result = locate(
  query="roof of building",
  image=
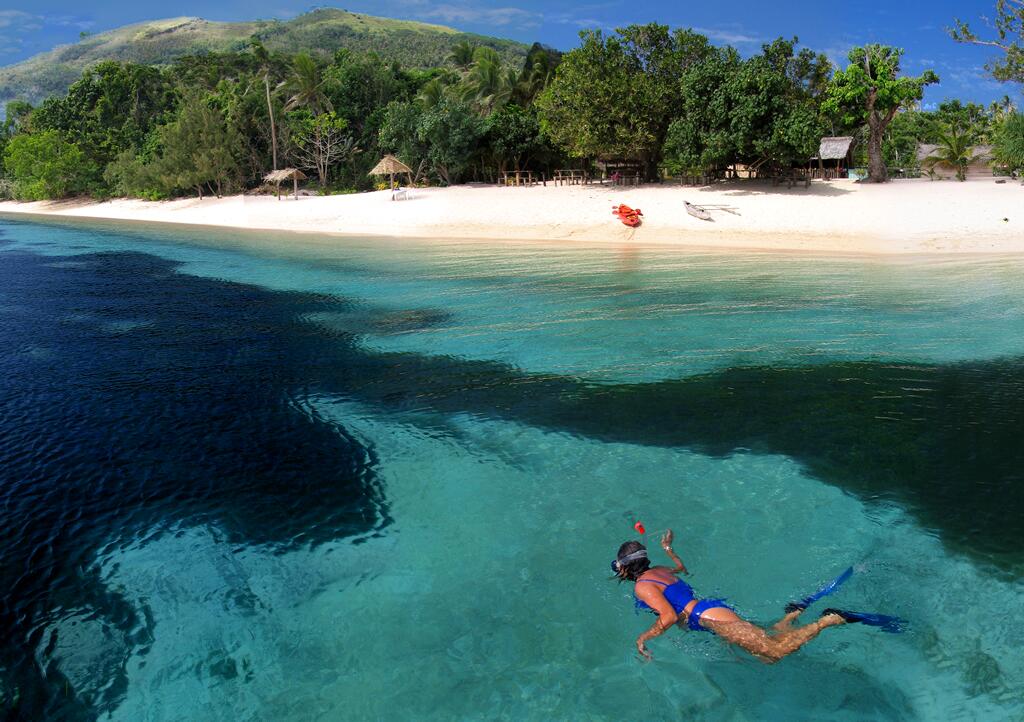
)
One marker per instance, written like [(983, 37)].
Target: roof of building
[(835, 148)]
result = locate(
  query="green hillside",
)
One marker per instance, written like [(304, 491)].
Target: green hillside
[(161, 41)]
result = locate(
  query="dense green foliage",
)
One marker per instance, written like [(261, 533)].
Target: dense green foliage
[(765, 108), (870, 91), (320, 32), (45, 165), (954, 150), (655, 98), (616, 95), (1009, 143)]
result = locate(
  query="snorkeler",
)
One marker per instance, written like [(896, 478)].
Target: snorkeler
[(673, 600)]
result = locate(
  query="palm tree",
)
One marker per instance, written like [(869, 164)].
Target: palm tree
[(431, 93), (306, 86), (488, 84), (1009, 143), (955, 150), (263, 57), (1000, 109), (537, 73), (462, 55)]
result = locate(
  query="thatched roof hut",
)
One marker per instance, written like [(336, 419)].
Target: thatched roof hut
[(278, 177), (835, 147), (389, 165)]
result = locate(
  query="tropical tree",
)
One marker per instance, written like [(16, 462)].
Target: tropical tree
[(998, 109), (870, 91), (513, 136), (765, 108), (462, 55), (110, 109), (45, 165), (399, 134), (1009, 38), (955, 150), (1008, 149), (615, 96), (451, 132), (538, 71), (431, 93), (305, 86), (198, 149), (488, 85), (263, 57), (320, 141)]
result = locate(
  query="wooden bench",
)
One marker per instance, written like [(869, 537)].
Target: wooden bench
[(570, 176)]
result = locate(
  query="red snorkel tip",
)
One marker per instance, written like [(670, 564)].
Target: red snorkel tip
[(640, 527)]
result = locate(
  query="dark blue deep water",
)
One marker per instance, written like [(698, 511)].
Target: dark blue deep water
[(134, 399), (148, 408)]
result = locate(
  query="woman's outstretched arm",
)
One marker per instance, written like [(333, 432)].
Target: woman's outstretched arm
[(666, 616), (666, 544)]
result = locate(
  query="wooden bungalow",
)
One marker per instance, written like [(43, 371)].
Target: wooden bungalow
[(837, 151)]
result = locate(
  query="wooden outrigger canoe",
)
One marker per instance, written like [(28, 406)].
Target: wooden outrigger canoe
[(697, 211)]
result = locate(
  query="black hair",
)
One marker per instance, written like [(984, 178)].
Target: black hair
[(632, 570)]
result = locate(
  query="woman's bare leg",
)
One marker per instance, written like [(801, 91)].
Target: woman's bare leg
[(766, 647)]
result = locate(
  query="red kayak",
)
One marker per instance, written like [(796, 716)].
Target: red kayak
[(629, 216)]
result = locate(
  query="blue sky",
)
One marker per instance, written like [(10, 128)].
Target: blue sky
[(28, 27)]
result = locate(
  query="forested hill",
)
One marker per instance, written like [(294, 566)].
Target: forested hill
[(161, 41)]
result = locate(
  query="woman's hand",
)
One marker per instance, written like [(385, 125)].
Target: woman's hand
[(666, 539), (641, 648)]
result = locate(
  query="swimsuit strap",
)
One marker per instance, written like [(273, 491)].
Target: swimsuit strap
[(655, 581)]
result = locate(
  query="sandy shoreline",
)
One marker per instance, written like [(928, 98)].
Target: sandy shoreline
[(913, 216)]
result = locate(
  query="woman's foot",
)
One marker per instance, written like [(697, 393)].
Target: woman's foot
[(883, 621)]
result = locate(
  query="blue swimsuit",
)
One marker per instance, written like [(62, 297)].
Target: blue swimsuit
[(679, 594)]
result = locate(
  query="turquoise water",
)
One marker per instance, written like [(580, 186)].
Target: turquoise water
[(522, 405)]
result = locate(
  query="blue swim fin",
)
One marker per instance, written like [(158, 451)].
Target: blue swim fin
[(893, 625), (823, 592)]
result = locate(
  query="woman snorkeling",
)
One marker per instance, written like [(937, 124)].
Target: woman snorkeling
[(673, 600)]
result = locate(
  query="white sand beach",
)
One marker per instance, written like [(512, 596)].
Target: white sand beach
[(906, 216)]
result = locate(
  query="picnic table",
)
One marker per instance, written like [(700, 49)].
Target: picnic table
[(520, 178), (792, 177), (571, 176), (626, 179)]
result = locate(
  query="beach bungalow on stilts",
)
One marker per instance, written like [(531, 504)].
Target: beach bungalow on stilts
[(277, 177), (836, 150)]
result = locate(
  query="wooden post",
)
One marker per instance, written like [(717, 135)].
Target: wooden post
[(295, 182)]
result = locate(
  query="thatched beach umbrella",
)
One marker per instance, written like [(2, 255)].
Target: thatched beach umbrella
[(277, 177), (389, 165)]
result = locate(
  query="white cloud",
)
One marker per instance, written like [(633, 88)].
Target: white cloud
[(9, 18), (729, 36), (476, 15), (17, 25)]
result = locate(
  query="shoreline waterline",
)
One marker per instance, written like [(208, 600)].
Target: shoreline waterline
[(839, 218)]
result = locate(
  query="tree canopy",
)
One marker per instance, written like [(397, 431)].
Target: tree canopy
[(1008, 38), (870, 91), (616, 95), (665, 100)]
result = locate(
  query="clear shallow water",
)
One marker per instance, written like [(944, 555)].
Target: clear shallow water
[(384, 480)]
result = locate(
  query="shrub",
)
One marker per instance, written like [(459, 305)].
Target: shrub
[(44, 165)]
